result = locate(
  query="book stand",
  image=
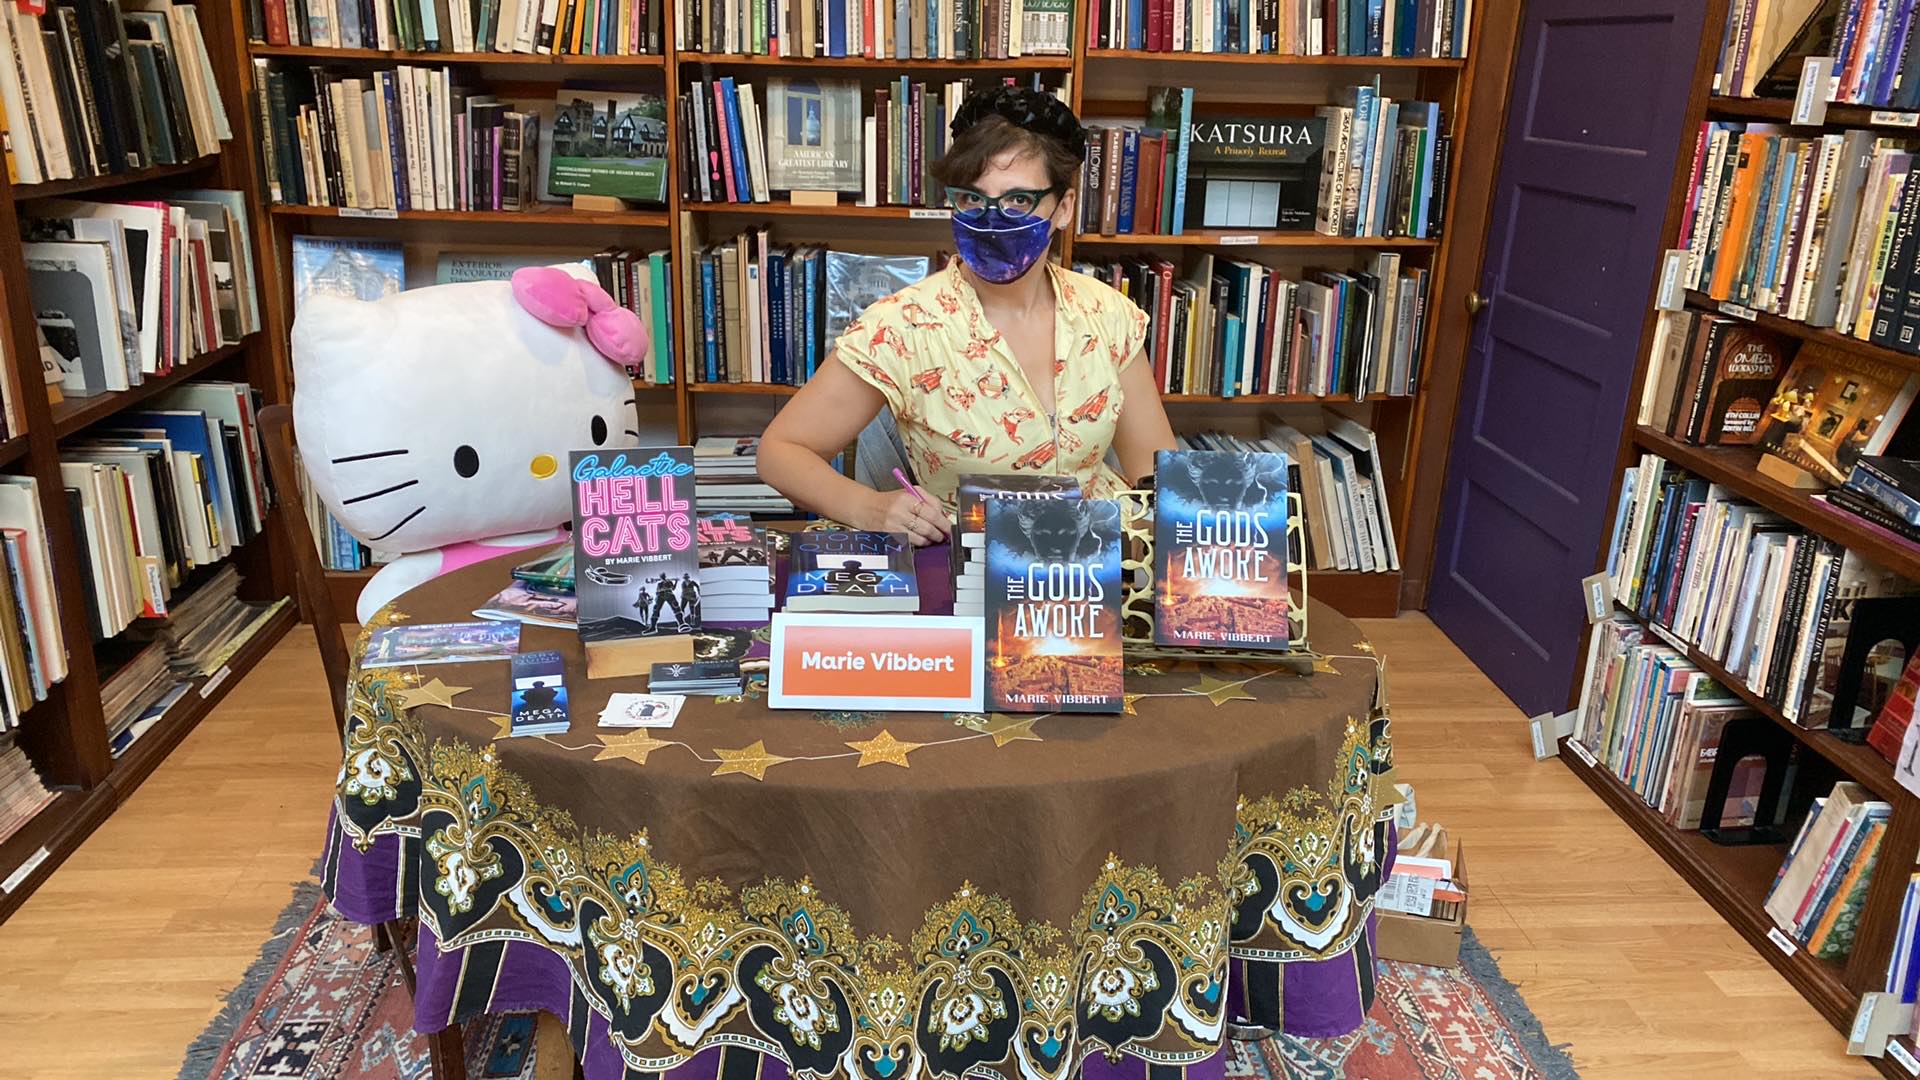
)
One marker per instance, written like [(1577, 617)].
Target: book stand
[(1136, 602), (600, 204), (1740, 739), (1873, 620)]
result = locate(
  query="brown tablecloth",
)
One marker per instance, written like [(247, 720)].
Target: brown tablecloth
[(859, 893)]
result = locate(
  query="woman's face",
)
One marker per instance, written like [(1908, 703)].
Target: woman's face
[(1025, 170)]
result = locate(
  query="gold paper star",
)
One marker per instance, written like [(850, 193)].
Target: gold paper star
[(752, 760), (884, 748), (1324, 666), (1220, 691), (504, 724), (633, 747), (1127, 704), (1365, 647), (1006, 729), (433, 693)]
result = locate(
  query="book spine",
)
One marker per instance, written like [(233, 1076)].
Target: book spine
[(1882, 489), (1129, 179)]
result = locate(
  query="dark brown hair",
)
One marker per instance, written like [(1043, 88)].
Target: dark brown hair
[(978, 147)]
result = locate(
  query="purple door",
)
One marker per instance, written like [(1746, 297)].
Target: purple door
[(1593, 129)]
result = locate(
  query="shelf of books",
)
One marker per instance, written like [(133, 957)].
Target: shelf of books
[(1745, 703), (134, 508), (784, 150)]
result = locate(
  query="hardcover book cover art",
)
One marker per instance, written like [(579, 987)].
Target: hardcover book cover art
[(441, 643), (732, 551), (813, 135), (634, 557), (1833, 408), (539, 694), (1220, 549), (1053, 606), (976, 490), (611, 144), (1747, 368), (844, 570), (1259, 172)]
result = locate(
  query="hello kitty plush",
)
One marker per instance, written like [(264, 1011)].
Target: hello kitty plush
[(437, 422)]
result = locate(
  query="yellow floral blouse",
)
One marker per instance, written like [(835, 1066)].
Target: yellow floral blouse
[(960, 400)]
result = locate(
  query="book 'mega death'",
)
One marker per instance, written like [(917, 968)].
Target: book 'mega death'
[(539, 694), (1053, 605), (634, 557), (813, 135), (844, 570), (1220, 547)]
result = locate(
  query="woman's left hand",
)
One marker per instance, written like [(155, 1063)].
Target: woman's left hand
[(902, 512)]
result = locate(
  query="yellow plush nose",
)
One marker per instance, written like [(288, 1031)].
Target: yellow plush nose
[(542, 466)]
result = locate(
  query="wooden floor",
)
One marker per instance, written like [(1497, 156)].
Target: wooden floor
[(123, 957)]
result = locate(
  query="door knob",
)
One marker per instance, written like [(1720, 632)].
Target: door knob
[(1475, 302)]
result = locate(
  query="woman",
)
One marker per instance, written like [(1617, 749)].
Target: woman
[(1000, 363)]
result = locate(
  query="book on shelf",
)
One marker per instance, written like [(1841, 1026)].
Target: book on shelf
[(138, 695), (612, 144), (1654, 720), (878, 29), (1052, 605), (638, 281), (1765, 42), (769, 312), (454, 267), (1896, 713), (969, 537), (1233, 327), (23, 791), (1710, 378), (1769, 602), (31, 635), (1817, 896), (1367, 166), (727, 478), (1220, 549), (814, 137), (1404, 28), (1834, 407), (575, 28), (1893, 483), (96, 89), (845, 570), (202, 632), (736, 572)]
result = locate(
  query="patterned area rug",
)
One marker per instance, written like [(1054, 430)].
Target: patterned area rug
[(322, 1004)]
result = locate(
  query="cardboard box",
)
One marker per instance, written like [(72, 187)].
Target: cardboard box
[(1417, 940)]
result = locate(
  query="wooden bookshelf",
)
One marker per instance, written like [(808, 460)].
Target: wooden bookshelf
[(1780, 111), (1118, 75), (65, 735), (1735, 880), (1795, 329)]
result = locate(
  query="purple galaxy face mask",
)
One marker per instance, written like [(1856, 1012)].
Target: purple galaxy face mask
[(1000, 247)]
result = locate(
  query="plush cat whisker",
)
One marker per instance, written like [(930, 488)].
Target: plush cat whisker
[(377, 494), (351, 458), (417, 511)]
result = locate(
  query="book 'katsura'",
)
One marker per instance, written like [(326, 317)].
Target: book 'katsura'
[(1053, 605), (635, 559), (844, 570), (1220, 549)]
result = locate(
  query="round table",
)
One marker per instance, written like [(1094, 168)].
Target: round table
[(877, 895)]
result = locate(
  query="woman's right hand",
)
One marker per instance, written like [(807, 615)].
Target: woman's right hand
[(901, 512)]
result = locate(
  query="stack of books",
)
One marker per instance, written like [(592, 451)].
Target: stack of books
[(768, 313), (640, 282), (91, 90), (22, 792), (726, 477), (33, 650), (879, 29), (160, 492), (819, 139), (575, 28), (203, 631), (1817, 896), (1234, 327), (1653, 719), (1333, 462), (1817, 228), (1425, 28), (1367, 166), (1897, 712), (1769, 602), (1884, 491), (969, 539), (123, 291), (1710, 379), (859, 572), (705, 677), (736, 575), (1871, 46), (138, 694)]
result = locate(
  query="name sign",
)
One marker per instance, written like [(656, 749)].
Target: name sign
[(905, 663)]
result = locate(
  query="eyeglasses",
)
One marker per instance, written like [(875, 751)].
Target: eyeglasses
[(969, 203)]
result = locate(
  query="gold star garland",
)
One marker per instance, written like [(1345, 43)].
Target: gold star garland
[(884, 749)]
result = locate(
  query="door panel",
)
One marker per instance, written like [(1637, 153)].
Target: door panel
[(1586, 166)]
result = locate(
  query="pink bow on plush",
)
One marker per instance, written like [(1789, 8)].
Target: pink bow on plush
[(557, 298)]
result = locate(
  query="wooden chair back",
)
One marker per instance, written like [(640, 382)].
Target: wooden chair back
[(316, 598)]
